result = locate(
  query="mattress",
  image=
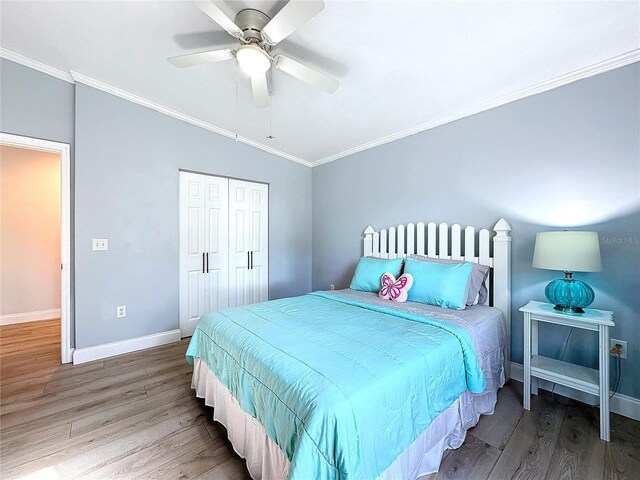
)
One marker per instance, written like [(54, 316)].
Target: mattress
[(265, 459)]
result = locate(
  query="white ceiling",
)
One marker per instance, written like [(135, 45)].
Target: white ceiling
[(400, 64)]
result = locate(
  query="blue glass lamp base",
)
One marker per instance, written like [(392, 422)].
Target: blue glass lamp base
[(569, 295)]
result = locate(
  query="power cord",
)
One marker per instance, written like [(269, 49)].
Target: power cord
[(564, 349), (617, 353)]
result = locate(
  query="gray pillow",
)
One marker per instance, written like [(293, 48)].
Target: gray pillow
[(476, 286)]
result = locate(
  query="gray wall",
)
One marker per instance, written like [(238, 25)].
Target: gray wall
[(569, 157), (126, 189), (127, 162), (33, 104)]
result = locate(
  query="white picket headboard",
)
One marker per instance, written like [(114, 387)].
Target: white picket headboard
[(435, 241)]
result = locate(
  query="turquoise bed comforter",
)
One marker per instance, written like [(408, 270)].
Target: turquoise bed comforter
[(341, 386)]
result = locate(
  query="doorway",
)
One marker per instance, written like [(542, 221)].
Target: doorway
[(36, 271)]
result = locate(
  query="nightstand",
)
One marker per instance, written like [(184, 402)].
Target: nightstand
[(595, 382)]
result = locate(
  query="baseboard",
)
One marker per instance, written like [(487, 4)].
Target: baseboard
[(83, 355), (12, 318), (620, 404)]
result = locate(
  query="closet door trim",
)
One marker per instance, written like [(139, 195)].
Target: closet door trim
[(223, 176)]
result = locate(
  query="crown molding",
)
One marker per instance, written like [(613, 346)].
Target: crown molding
[(580, 74), (75, 77), (91, 82), (34, 64)]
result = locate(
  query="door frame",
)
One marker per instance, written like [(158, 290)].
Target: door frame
[(64, 150)]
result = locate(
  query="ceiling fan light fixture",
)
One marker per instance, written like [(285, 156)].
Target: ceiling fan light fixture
[(253, 60)]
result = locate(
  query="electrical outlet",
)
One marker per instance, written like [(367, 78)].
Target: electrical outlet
[(623, 344), (332, 286), (100, 244), (121, 311)]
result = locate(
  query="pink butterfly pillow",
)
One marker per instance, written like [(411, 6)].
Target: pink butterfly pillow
[(396, 290)]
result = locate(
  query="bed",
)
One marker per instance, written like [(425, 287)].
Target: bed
[(346, 385)]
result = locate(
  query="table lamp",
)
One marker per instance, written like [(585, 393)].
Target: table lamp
[(568, 251)]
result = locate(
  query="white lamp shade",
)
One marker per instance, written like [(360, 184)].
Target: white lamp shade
[(567, 251), (253, 60)]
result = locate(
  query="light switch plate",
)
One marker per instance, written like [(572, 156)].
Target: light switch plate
[(100, 244)]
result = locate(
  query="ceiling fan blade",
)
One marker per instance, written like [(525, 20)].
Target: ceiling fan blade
[(306, 74), (218, 16), (260, 90), (292, 16), (191, 59)]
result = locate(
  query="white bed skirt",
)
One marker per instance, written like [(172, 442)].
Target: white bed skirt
[(265, 460)]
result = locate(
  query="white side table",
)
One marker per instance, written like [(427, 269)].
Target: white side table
[(595, 382)]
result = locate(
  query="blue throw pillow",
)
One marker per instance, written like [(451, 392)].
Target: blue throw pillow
[(439, 284), (370, 269)]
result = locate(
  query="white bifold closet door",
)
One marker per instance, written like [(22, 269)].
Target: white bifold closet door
[(248, 242), (218, 216)]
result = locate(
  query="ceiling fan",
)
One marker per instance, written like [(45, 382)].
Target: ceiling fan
[(258, 34)]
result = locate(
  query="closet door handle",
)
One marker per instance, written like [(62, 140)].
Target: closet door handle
[(251, 259), (202, 262), (248, 267), (207, 262)]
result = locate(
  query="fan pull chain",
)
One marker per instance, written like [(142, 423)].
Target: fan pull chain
[(270, 136), (237, 81)]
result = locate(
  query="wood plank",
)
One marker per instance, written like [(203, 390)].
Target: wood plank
[(79, 394), (19, 394), (474, 459), (420, 239), (384, 245), (496, 429), (97, 389), (579, 452), (84, 452), (455, 242), (165, 449), (40, 417), (59, 412), (529, 450), (49, 375), (232, 469), (443, 240), (53, 453), (431, 240), (623, 451), (411, 239), (469, 244), (80, 465), (160, 387), (107, 375), (392, 243), (196, 462), (401, 245), (17, 366), (171, 350), (16, 447), (113, 415)]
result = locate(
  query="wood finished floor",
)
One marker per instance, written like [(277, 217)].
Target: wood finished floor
[(135, 416)]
